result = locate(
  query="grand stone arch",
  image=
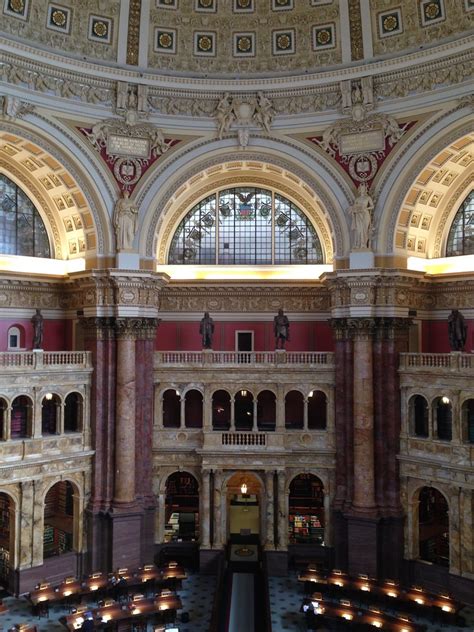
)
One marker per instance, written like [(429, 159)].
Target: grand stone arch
[(308, 173)]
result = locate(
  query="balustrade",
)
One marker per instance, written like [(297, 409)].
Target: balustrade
[(49, 359), (239, 358)]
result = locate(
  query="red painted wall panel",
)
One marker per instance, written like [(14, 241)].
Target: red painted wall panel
[(184, 336), (57, 334), (435, 339)]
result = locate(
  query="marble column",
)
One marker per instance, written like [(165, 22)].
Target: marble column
[(270, 511), (454, 531), (25, 533), (280, 409), (218, 535), (161, 518), (7, 423), (466, 519), (207, 410), (205, 510), (232, 414), (305, 414), (363, 410), (282, 512), (124, 483), (254, 419), (36, 414)]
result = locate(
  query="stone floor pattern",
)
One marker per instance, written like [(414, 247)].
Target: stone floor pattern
[(197, 596), (286, 596)]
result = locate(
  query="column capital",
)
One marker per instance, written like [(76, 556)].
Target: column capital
[(136, 328), (362, 328), (100, 327)]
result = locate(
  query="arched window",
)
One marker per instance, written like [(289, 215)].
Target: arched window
[(443, 412), (461, 234), (16, 337), (220, 410), (181, 508), (317, 410), (294, 410), (58, 519), (21, 417), (418, 416), (171, 409), (306, 510), (243, 408), (73, 411), (50, 409), (22, 231), (245, 225), (468, 420), (266, 410), (193, 409), (433, 521)]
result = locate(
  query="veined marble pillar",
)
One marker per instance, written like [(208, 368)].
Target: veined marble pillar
[(282, 512), (269, 509), (25, 534), (207, 410), (161, 517), (280, 410), (124, 484), (205, 510), (363, 407), (218, 536), (232, 414)]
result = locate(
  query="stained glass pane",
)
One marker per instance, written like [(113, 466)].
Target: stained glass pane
[(461, 234), (22, 231), (248, 220)]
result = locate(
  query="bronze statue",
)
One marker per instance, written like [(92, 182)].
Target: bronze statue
[(37, 320), (281, 329), (206, 329), (457, 330)]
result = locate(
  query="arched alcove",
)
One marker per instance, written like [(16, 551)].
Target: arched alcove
[(50, 414), (221, 410), (243, 410), (317, 410), (443, 418), (418, 416), (244, 492), (181, 508), (433, 526), (193, 409), (171, 408), (73, 412), (59, 519), (21, 417), (306, 520), (266, 410), (7, 537), (294, 410)]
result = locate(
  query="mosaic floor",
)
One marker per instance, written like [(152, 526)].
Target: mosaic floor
[(286, 596), (197, 596)]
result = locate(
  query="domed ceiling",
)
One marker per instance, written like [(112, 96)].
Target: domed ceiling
[(235, 37)]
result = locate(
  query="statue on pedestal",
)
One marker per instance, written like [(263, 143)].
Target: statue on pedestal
[(206, 329), (281, 329), (457, 330), (38, 326), (361, 212), (125, 221)]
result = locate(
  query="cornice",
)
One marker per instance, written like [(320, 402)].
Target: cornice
[(37, 56)]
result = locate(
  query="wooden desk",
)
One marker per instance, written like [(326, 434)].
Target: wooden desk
[(119, 612), (353, 615)]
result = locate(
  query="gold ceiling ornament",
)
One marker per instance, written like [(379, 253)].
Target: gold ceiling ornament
[(133, 40), (357, 46)]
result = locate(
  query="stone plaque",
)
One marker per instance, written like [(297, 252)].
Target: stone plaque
[(372, 140), (132, 146)]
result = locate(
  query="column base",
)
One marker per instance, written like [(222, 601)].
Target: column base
[(209, 561), (277, 563), (363, 545), (126, 538)]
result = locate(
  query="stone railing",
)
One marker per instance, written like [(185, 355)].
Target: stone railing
[(243, 358), (57, 360), (454, 361), (243, 438)]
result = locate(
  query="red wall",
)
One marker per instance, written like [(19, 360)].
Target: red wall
[(57, 334), (435, 339), (185, 336)]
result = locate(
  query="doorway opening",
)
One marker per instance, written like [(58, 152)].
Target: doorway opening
[(244, 343), (244, 492)]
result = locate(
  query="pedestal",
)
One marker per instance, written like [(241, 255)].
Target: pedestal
[(128, 260), (361, 260)]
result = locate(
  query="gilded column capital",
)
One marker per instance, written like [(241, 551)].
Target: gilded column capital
[(136, 328), (362, 328), (100, 327), (340, 328)]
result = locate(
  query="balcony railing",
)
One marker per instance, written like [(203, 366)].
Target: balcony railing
[(452, 361), (45, 359), (243, 358)]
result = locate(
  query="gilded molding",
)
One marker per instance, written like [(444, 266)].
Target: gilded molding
[(355, 20), (133, 39)]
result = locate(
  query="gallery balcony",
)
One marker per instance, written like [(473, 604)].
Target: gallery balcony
[(437, 408), (244, 359)]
